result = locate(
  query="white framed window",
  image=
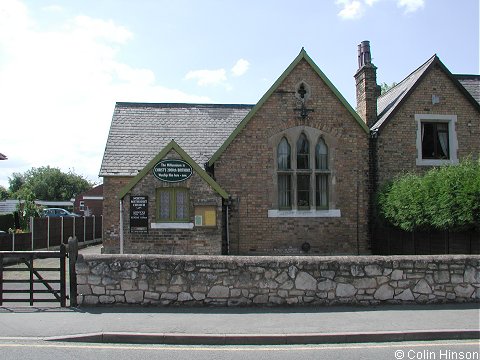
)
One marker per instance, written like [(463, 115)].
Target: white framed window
[(436, 141)]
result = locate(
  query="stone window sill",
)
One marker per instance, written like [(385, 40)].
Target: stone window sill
[(433, 162), (172, 225), (304, 213)]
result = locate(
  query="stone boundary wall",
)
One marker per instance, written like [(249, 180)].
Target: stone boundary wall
[(162, 280)]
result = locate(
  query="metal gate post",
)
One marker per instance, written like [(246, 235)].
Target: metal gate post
[(72, 270)]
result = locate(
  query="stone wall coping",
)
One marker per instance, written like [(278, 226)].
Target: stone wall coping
[(353, 259)]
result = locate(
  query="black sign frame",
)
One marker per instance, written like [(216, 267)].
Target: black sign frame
[(139, 214)]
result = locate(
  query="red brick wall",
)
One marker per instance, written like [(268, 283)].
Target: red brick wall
[(246, 171)]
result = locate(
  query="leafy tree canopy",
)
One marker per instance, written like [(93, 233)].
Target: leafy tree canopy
[(3, 193), (47, 183), (384, 87)]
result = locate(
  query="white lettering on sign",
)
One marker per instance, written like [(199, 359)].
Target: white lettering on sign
[(172, 170)]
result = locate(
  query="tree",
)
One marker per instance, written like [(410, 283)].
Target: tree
[(384, 87), (46, 183), (16, 182), (3, 193)]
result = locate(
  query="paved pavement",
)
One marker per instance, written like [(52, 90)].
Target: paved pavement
[(241, 325)]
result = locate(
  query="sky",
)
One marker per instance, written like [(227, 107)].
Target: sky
[(64, 63)]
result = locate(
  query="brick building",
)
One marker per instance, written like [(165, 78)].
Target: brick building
[(293, 174), (90, 202)]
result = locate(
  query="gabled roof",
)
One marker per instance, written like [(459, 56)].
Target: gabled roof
[(302, 56), (172, 145), (390, 102), (2, 157), (139, 131)]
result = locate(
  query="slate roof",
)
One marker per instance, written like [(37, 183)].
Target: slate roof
[(139, 131), (389, 102), (471, 83)]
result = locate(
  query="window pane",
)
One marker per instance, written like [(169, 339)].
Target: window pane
[(321, 155), (322, 191), (442, 135), (284, 191), (435, 141), (181, 205), (303, 152), (164, 205), (283, 155), (303, 191)]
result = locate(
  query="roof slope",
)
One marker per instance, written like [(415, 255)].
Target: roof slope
[(139, 131), (389, 102), (471, 83)]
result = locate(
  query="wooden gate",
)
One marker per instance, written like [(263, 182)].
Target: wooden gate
[(33, 283)]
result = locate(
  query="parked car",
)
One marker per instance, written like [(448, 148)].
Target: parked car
[(58, 212)]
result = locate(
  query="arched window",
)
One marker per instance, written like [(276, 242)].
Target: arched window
[(283, 155), (304, 172), (284, 175), (321, 155), (321, 175), (303, 152)]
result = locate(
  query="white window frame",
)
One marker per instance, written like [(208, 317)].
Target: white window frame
[(451, 120)]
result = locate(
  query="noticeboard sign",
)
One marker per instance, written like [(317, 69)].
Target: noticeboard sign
[(172, 171), (139, 214)]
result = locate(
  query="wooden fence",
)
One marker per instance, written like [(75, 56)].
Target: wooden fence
[(49, 232), (393, 241)]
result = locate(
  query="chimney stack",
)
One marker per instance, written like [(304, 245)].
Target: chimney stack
[(366, 85)]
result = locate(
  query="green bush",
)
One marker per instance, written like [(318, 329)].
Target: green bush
[(445, 198)]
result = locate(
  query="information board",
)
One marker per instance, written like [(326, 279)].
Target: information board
[(139, 214), (172, 171)]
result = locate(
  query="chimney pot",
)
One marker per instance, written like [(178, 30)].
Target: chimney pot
[(364, 55)]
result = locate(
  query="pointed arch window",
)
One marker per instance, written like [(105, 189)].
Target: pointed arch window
[(284, 175), (283, 155), (321, 174), (303, 152)]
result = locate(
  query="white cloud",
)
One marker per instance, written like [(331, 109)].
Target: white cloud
[(53, 8), (207, 77), (352, 9), (58, 90), (411, 5), (355, 9), (240, 67)]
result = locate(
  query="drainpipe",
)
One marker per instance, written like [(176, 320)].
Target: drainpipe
[(121, 226), (229, 202)]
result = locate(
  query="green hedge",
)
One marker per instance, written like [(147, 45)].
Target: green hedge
[(445, 198), (7, 221)]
